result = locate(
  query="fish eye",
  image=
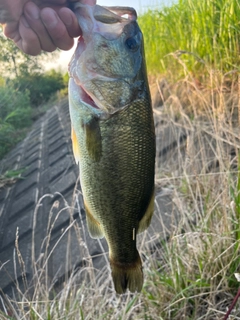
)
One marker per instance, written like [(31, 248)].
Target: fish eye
[(131, 44)]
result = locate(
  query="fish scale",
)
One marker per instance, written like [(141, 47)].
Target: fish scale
[(114, 143)]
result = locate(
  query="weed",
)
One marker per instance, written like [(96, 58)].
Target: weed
[(191, 250), (202, 33)]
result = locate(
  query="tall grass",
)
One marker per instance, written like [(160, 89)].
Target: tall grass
[(202, 32), (189, 266)]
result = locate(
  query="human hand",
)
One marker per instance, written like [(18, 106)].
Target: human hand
[(36, 25)]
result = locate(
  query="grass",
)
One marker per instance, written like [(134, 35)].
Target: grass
[(189, 265), (201, 32), (23, 100), (190, 261), (10, 177)]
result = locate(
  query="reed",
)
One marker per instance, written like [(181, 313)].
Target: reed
[(205, 34), (189, 268)]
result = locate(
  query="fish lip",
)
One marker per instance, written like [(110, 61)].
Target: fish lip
[(97, 19), (121, 13)]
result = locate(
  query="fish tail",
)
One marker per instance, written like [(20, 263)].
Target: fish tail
[(127, 275)]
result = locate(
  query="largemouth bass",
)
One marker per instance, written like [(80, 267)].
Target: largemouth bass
[(113, 134)]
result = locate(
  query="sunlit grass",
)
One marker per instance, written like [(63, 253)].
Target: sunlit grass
[(189, 268), (204, 33)]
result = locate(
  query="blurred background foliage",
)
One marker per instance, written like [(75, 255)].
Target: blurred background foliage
[(25, 91)]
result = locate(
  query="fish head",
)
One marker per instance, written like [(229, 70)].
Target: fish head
[(107, 67)]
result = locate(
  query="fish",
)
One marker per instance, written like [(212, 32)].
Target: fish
[(113, 134)]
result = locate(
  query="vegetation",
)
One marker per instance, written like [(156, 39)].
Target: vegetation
[(24, 88), (10, 177), (14, 61), (189, 268), (15, 116), (20, 99), (41, 86), (204, 34)]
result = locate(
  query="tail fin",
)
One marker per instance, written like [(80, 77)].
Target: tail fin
[(127, 275)]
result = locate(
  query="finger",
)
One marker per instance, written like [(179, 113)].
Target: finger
[(56, 29), (70, 21), (55, 2), (28, 41), (32, 15), (10, 11), (11, 30), (23, 36)]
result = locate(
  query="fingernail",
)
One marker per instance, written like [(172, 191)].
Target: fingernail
[(24, 22)]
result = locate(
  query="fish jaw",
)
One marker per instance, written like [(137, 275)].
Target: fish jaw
[(106, 64), (96, 19)]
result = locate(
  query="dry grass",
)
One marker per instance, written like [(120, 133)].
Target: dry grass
[(189, 264)]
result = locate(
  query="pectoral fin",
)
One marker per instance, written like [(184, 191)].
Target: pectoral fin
[(94, 226), (146, 219), (75, 146), (93, 139)]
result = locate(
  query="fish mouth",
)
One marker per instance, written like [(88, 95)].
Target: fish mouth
[(109, 22), (83, 94), (114, 14), (108, 14), (86, 98), (98, 18)]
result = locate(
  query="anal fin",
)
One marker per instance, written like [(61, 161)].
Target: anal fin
[(94, 227), (146, 219)]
